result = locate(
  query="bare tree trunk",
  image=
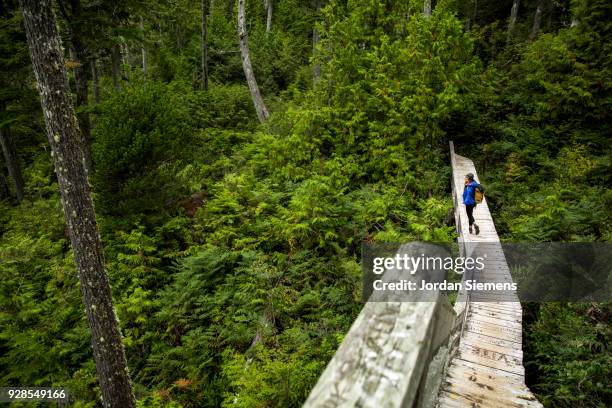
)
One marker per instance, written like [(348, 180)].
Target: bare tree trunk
[(537, 20), (316, 74), (204, 45), (260, 106), (82, 98), (269, 6), (116, 66), (95, 79), (4, 190), (64, 137), (125, 53), (12, 161), (143, 50), (513, 16), (427, 8)]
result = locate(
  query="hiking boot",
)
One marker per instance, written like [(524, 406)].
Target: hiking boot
[(471, 232), (476, 229)]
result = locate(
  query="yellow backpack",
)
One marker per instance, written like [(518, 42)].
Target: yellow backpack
[(478, 194)]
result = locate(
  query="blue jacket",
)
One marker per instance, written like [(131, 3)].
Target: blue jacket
[(469, 193)]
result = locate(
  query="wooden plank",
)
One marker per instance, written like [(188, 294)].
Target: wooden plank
[(495, 313), (491, 297), (461, 367), (506, 307), (503, 313), (482, 318), (489, 393), (501, 305), (500, 332), (465, 400), (485, 394), (503, 387), (496, 296), (493, 343), (483, 355)]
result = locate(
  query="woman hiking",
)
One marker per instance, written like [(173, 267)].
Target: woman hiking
[(469, 199)]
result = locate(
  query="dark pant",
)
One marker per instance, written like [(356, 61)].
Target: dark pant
[(469, 208)]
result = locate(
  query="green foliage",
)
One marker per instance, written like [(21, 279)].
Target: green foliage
[(141, 131), (569, 360), (233, 247), (265, 379), (393, 84), (41, 318), (221, 301)]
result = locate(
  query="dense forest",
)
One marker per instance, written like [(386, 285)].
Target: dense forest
[(238, 154)]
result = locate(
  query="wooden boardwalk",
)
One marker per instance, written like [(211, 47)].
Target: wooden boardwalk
[(486, 368), (428, 353)]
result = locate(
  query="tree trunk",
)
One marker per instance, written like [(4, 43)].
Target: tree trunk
[(513, 15), (269, 6), (316, 73), (95, 79), (143, 50), (125, 53), (537, 20), (82, 98), (4, 190), (260, 107), (116, 66), (64, 138), (427, 8), (12, 161), (204, 45)]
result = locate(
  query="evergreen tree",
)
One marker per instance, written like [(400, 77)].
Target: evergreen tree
[(64, 138)]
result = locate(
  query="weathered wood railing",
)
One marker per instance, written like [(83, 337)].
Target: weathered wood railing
[(411, 354)]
